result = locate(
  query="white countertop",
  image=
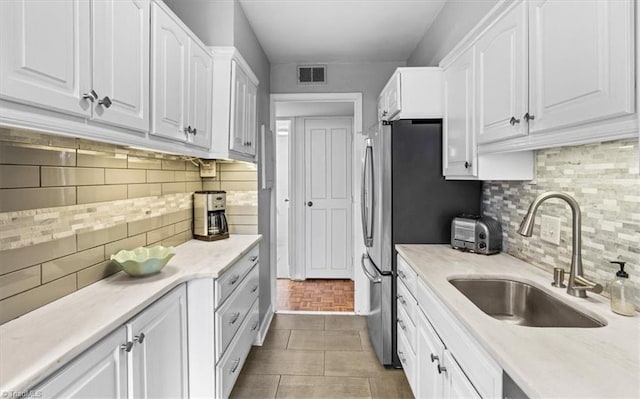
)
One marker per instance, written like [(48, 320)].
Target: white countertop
[(36, 344), (544, 362)]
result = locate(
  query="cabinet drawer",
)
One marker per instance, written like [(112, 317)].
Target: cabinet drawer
[(407, 326), (230, 365), (225, 284), (406, 301), (408, 360), (230, 315), (483, 372), (407, 275)]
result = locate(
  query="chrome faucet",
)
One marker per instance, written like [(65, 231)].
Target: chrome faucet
[(577, 284)]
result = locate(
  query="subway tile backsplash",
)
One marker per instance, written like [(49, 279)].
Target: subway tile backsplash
[(67, 205), (604, 179)]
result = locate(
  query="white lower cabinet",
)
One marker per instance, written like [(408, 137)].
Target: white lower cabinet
[(440, 359), (101, 371), (146, 358)]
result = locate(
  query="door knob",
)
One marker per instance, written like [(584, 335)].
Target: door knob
[(513, 121), (91, 95), (467, 164), (139, 338), (286, 200), (528, 117), (105, 102), (310, 203)]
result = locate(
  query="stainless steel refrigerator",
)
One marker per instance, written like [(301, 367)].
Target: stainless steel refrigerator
[(405, 200)]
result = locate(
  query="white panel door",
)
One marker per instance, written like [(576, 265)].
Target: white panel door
[(200, 91), (44, 54), (239, 80), (251, 125), (502, 93), (121, 62), (328, 190), (169, 76), (100, 372), (458, 121), (159, 353), (456, 383), (430, 353), (582, 61)]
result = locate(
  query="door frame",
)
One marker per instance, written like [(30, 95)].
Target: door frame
[(361, 288)]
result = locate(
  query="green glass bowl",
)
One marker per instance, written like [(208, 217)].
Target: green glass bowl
[(143, 261)]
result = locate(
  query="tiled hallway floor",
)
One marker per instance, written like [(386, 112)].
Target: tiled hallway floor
[(315, 295), (316, 356)]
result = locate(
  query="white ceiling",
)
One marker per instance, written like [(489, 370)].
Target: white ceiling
[(301, 108), (340, 30)]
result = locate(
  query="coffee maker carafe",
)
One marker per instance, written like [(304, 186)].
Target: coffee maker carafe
[(209, 220)]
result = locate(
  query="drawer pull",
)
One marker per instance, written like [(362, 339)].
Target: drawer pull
[(434, 358), (255, 326), (253, 258), (401, 299), (127, 347), (236, 363), (402, 275), (234, 279), (254, 289), (234, 318), (139, 338), (401, 356), (441, 369), (402, 325)]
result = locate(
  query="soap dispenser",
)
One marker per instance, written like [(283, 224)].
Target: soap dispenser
[(622, 293)]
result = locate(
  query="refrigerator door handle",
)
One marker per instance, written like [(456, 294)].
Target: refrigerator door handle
[(371, 277), (366, 195)]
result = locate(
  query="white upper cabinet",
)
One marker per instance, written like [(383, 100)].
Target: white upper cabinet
[(200, 92), (235, 116), (458, 119), (169, 76), (411, 93), (582, 67), (120, 34), (393, 99), (45, 56), (502, 77)]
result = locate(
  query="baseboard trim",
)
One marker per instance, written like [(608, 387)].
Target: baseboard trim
[(264, 327)]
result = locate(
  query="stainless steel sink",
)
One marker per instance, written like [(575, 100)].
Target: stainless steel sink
[(515, 302)]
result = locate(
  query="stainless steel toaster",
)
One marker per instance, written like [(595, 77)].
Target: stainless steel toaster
[(480, 234)]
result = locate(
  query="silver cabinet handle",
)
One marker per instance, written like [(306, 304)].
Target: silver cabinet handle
[(401, 299), (441, 369), (434, 358), (402, 275), (234, 279), (401, 356), (234, 318), (528, 117), (401, 324), (91, 95), (384, 113), (467, 164), (105, 102), (254, 289), (194, 131), (236, 363), (513, 121), (139, 338), (127, 347), (253, 258)]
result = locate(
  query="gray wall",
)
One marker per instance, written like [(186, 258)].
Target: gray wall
[(223, 23), (365, 78), (455, 20)]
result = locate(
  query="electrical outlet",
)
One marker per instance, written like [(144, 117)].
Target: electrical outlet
[(207, 168), (550, 229)]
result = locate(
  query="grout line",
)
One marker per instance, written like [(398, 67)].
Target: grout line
[(277, 386)]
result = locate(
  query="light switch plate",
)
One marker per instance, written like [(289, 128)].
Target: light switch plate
[(550, 229), (208, 168)]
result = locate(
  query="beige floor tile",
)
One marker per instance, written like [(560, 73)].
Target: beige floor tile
[(276, 339), (323, 387), (390, 386), (339, 322), (254, 386), (287, 362), (325, 340), (297, 322), (365, 340), (352, 364)]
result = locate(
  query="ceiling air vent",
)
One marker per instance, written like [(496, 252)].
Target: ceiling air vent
[(312, 74)]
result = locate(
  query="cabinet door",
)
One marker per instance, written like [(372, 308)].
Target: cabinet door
[(159, 353), (239, 81), (251, 126), (430, 353), (393, 94), (169, 76), (121, 62), (502, 95), (456, 384), (582, 61), (100, 372), (200, 89), (45, 55), (458, 122)]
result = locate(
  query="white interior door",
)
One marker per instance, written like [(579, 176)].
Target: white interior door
[(328, 222), (283, 129)]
